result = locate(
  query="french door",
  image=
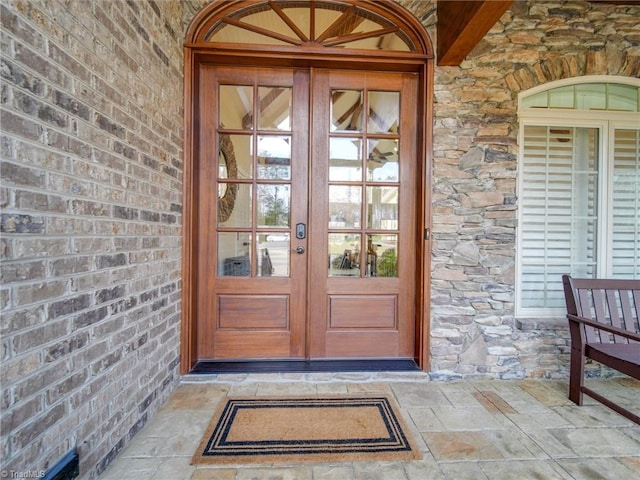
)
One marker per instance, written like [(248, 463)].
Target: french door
[(306, 214)]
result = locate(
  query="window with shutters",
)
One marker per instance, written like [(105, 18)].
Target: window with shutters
[(579, 187)]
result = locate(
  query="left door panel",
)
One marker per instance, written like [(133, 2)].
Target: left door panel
[(252, 192)]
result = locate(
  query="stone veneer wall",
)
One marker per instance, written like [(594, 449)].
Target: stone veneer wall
[(473, 329), (91, 225)]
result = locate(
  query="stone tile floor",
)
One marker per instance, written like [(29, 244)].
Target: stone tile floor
[(467, 429)]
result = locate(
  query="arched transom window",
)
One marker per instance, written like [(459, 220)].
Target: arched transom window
[(310, 23)]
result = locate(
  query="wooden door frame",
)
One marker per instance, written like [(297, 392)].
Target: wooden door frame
[(198, 52)]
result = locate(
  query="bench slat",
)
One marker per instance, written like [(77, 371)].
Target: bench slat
[(615, 301), (627, 310), (584, 310), (636, 301)]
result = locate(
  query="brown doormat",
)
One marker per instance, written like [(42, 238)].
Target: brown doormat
[(305, 429)]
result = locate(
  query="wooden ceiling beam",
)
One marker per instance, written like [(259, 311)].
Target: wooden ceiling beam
[(462, 24)]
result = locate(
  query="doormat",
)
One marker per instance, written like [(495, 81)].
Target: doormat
[(306, 429)]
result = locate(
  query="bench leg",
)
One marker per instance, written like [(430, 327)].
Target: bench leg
[(576, 376)]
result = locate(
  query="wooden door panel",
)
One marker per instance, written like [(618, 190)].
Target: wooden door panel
[(363, 344), (241, 345), (253, 312), (358, 315), (247, 306), (363, 311)]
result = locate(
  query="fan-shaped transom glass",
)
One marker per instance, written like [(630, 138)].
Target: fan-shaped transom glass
[(308, 22)]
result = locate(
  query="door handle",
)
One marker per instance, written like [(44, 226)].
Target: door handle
[(300, 250)]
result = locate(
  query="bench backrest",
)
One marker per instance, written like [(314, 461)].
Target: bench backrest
[(611, 302)]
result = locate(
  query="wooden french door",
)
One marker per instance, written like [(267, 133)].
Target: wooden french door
[(307, 212), (253, 148), (362, 279)]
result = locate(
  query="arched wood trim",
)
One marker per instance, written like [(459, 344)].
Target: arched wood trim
[(407, 23)]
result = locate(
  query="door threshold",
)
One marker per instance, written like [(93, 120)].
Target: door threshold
[(305, 366)]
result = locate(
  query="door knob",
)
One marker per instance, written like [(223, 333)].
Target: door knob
[(300, 250)]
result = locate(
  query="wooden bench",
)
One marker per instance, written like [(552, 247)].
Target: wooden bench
[(603, 319)]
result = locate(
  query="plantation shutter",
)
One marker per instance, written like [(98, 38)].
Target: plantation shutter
[(625, 241), (559, 211), (578, 188)]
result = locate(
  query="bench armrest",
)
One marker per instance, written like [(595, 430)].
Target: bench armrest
[(607, 328)]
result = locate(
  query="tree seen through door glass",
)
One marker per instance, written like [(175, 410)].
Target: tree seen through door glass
[(274, 205)]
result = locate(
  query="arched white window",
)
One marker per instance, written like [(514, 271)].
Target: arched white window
[(579, 187)]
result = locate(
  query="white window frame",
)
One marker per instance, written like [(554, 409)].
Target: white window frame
[(606, 122)]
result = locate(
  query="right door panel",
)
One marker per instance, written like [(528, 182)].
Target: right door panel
[(363, 211)]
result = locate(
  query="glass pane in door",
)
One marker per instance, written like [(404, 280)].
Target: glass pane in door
[(344, 254), (370, 218), (235, 159), (345, 206), (234, 207), (273, 254), (382, 160), (274, 157), (235, 110), (384, 112), (274, 205), (274, 108), (346, 110), (382, 208), (345, 159), (234, 254), (382, 256), (254, 180)]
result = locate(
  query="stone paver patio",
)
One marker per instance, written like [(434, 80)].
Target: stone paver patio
[(466, 429)]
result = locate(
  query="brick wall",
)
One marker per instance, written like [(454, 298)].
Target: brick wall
[(91, 224)]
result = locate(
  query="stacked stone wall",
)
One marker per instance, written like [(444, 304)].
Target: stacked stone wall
[(475, 166), (91, 225)]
